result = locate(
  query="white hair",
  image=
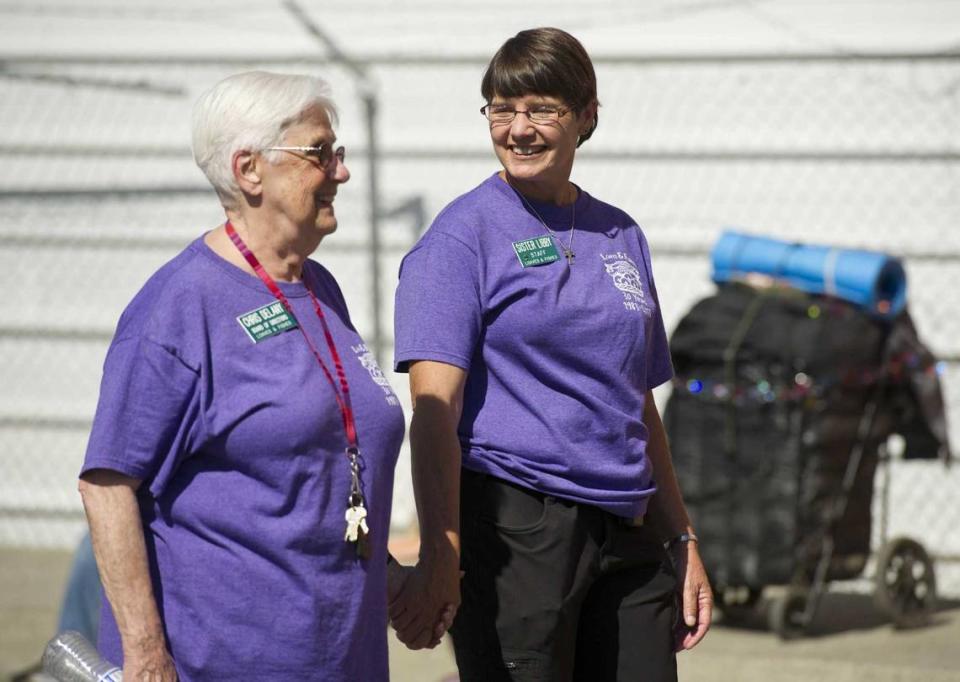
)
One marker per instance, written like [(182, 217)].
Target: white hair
[(250, 112)]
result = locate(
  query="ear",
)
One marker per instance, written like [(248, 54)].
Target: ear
[(246, 171), (587, 116)]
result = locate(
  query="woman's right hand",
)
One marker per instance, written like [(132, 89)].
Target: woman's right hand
[(110, 501), (153, 664)]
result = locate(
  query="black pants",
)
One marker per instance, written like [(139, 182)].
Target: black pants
[(559, 591)]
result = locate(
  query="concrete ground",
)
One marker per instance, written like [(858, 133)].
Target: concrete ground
[(849, 641)]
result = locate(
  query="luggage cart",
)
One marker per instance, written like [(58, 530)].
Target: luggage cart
[(904, 581), (777, 462)]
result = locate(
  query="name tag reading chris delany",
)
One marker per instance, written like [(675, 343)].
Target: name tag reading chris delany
[(270, 320), (536, 251)]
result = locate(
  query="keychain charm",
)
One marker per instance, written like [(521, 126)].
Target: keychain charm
[(356, 523), (363, 540), (358, 531)]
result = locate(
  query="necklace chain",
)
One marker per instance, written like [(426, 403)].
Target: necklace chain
[(568, 249)]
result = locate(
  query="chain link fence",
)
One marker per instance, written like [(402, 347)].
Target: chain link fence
[(97, 189)]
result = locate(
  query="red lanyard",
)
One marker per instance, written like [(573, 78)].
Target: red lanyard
[(342, 395)]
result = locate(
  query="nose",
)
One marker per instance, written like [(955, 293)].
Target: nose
[(521, 126), (340, 171)]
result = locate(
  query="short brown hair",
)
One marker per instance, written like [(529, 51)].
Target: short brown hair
[(543, 61)]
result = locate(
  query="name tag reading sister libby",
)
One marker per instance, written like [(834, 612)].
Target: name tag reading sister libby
[(536, 251)]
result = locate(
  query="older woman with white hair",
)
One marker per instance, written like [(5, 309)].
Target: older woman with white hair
[(239, 473)]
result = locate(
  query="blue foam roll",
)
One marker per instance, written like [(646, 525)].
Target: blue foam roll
[(873, 280)]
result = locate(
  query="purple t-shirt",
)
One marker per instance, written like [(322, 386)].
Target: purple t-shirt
[(559, 357), (219, 406)]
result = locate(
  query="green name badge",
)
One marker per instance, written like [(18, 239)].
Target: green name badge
[(270, 320), (536, 251)]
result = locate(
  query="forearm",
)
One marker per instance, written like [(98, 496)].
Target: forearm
[(666, 511), (437, 392), (668, 517), (116, 530), (425, 602), (435, 458)]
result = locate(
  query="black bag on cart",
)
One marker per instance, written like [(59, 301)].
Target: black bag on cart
[(774, 390)]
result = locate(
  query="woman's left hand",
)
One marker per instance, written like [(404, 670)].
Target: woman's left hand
[(397, 576), (697, 597)]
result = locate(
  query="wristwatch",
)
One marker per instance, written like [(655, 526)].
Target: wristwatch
[(683, 537)]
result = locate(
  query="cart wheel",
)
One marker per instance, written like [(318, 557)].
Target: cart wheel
[(906, 587), (739, 605), (787, 615)]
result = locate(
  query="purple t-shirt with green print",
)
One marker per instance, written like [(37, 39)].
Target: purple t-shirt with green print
[(213, 399), (558, 356)]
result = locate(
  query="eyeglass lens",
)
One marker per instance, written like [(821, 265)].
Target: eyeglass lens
[(326, 157), (502, 114)]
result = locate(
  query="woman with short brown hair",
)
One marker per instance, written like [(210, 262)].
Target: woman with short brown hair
[(528, 319)]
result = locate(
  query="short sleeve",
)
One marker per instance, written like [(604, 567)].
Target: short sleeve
[(327, 288), (659, 366), (438, 308), (148, 416)]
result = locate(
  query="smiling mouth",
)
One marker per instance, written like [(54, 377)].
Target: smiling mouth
[(527, 151)]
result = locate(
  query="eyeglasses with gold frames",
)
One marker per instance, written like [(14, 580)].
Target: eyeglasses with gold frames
[(325, 155)]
